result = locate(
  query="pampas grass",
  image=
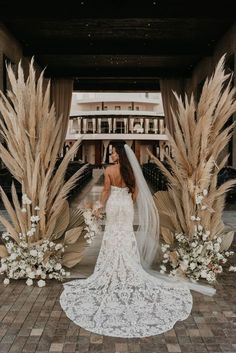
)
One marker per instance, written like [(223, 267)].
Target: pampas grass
[(32, 135), (198, 140)]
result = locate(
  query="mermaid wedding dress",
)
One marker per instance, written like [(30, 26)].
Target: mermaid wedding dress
[(120, 298)]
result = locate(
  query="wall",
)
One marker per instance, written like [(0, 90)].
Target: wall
[(227, 44)]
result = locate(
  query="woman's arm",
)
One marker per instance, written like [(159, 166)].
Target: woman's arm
[(106, 189), (135, 193)]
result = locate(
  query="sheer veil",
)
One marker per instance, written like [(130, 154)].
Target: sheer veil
[(147, 234)]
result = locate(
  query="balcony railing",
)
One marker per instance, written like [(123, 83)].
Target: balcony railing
[(114, 125)]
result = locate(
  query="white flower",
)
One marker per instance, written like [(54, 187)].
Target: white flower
[(23, 210), (205, 192), (6, 281), (31, 274), (193, 218), (184, 265), (198, 199), (198, 218), (232, 268), (203, 207), (217, 247), (67, 274), (58, 266), (29, 282), (3, 267), (41, 283), (33, 252), (37, 208), (58, 246), (38, 271), (26, 200), (200, 227), (203, 273), (34, 218), (192, 265), (163, 267), (13, 256)]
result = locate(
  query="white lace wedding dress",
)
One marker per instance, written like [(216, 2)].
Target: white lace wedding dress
[(120, 298)]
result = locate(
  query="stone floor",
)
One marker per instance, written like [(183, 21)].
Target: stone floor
[(32, 321)]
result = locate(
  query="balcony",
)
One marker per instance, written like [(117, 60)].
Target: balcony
[(106, 128)]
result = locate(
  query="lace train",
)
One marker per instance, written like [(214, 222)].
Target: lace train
[(120, 298)]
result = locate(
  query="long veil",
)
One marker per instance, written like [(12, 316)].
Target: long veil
[(147, 234)]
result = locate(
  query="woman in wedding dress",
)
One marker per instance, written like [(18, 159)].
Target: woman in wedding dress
[(124, 297)]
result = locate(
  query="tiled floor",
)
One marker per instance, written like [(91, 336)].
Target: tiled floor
[(32, 321)]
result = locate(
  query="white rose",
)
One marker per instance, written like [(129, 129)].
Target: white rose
[(58, 246), (33, 252), (3, 267), (193, 218), (6, 281), (58, 266), (232, 268), (29, 282), (31, 274), (41, 283), (192, 265), (203, 273), (13, 256)]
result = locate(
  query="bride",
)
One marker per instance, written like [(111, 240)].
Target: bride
[(124, 297)]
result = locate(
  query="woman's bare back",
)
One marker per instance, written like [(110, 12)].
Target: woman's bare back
[(115, 176)]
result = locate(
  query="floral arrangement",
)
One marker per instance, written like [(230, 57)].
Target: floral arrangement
[(40, 260), (37, 262), (93, 223), (191, 209), (30, 144), (200, 257)]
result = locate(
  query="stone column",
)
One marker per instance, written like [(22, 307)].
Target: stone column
[(99, 125), (155, 125), (110, 124), (114, 125), (84, 125), (105, 144), (126, 125), (146, 125), (94, 125)]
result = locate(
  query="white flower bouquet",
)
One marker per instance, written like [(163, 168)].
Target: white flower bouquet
[(93, 223)]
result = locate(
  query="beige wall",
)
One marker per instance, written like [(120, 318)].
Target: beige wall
[(227, 44)]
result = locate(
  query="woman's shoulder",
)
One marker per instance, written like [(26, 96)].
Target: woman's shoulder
[(111, 167)]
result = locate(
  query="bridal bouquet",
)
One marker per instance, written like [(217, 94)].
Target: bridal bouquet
[(93, 223)]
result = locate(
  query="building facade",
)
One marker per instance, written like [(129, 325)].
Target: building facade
[(101, 117)]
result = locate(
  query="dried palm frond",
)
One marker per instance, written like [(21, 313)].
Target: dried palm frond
[(196, 144), (31, 132)]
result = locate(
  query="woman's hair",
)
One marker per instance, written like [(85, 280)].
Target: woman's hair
[(126, 170)]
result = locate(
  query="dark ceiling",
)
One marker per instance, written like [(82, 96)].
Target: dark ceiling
[(114, 45)]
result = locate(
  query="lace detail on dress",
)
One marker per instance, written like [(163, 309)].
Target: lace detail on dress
[(120, 298)]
